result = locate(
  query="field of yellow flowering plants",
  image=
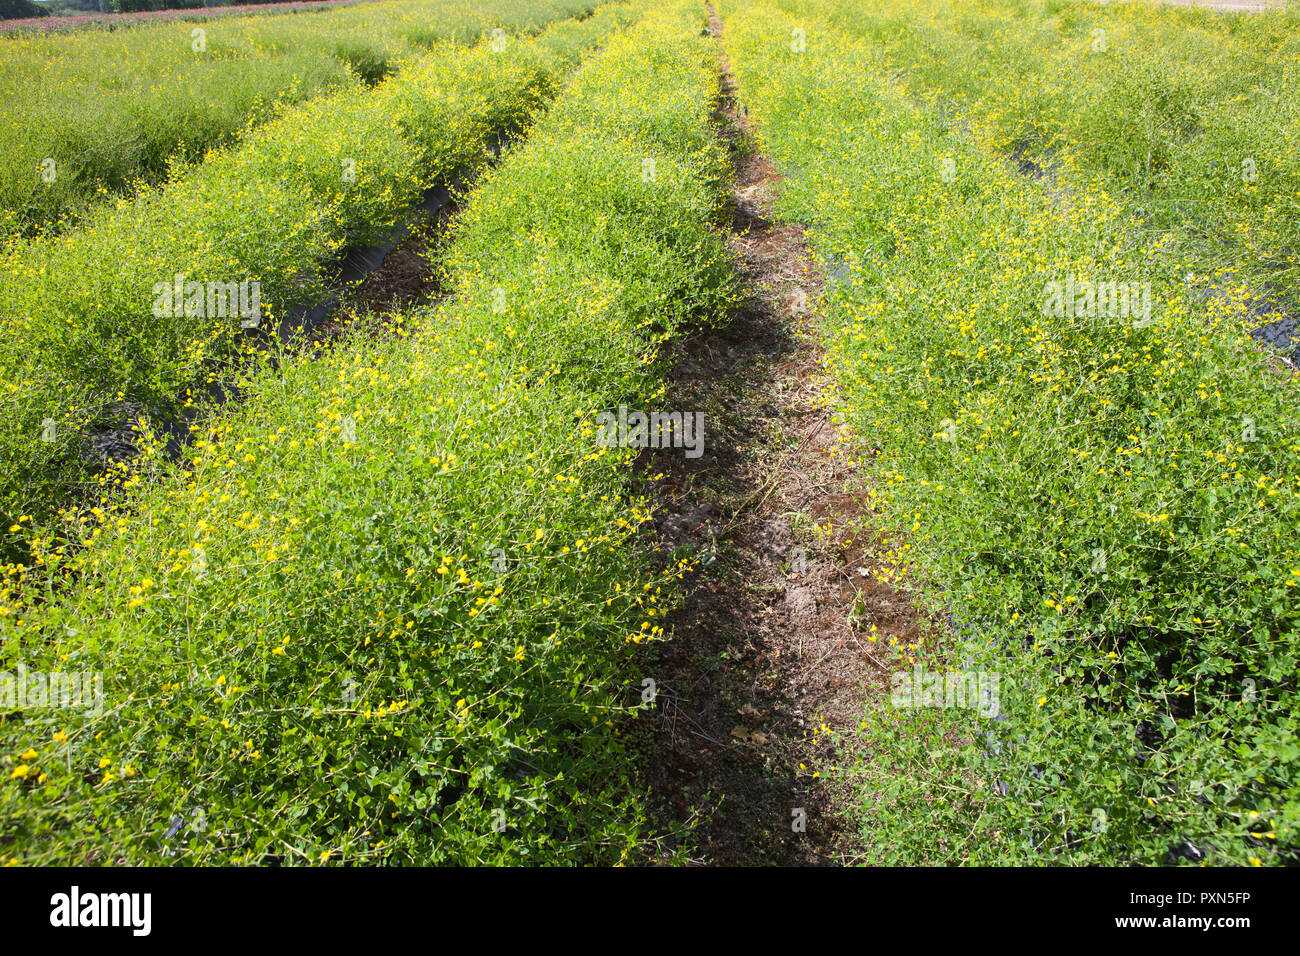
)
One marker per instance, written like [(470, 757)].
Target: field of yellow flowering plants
[(1083, 462), (378, 612), (989, 307), (1188, 117), (84, 326), (91, 115)]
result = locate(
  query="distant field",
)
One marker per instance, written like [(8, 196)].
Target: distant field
[(92, 115), (1232, 6), (111, 21)]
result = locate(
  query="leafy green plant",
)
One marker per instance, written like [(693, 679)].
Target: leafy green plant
[(89, 116), (385, 610), (1106, 504), (82, 330)]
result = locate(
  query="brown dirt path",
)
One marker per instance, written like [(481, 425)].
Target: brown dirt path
[(771, 653)]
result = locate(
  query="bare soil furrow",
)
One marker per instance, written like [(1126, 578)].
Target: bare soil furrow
[(768, 659)]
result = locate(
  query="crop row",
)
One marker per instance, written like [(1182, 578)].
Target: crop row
[(91, 115), (1100, 485), (137, 308), (384, 609), (1186, 115)]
